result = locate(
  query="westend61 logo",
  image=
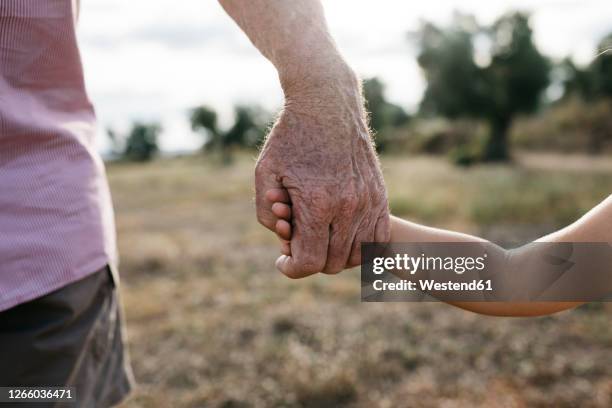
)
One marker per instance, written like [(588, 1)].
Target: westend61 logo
[(458, 271), (413, 264)]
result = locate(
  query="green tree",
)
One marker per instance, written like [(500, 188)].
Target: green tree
[(494, 84), (576, 80), (247, 131), (593, 81), (455, 84), (249, 127), (140, 144), (383, 115), (204, 119), (601, 68)]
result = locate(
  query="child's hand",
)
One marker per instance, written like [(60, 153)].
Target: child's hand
[(281, 208)]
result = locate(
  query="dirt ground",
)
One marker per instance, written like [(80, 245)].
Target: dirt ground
[(212, 324)]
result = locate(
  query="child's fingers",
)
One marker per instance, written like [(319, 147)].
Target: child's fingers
[(278, 195), (283, 229), (282, 211)]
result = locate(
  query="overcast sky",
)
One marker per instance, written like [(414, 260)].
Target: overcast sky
[(154, 59)]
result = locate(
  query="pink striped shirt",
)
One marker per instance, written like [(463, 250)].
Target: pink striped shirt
[(56, 219)]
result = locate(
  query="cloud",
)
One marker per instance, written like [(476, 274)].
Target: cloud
[(181, 36), (157, 58), (173, 36)]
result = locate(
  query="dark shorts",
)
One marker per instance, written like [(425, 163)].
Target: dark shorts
[(72, 337)]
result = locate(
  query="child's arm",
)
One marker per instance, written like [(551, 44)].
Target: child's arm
[(405, 231), (595, 226)]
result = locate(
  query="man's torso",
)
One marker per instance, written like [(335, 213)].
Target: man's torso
[(56, 221)]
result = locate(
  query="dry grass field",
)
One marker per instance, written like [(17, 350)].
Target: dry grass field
[(212, 324)]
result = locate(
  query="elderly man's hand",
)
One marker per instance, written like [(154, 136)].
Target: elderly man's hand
[(321, 153)]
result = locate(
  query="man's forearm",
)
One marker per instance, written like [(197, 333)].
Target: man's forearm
[(293, 35)]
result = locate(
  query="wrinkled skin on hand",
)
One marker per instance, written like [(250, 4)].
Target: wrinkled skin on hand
[(321, 152)]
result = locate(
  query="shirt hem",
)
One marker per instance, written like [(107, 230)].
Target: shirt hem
[(52, 286)]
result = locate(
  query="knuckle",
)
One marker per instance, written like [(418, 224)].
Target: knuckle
[(319, 202), (366, 205), (370, 212), (308, 264), (349, 202), (308, 269), (365, 200), (264, 168), (380, 198)]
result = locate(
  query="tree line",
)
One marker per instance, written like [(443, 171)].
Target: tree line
[(486, 74)]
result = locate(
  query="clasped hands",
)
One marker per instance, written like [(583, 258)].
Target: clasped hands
[(318, 181)]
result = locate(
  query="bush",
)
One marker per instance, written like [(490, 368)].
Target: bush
[(464, 156), (251, 123), (461, 140), (571, 126)]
